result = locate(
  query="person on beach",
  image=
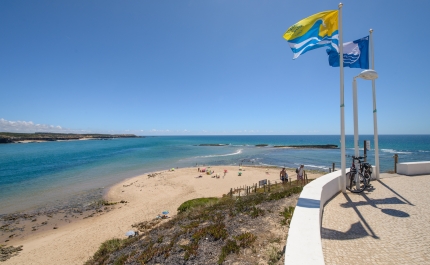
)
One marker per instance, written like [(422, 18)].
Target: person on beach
[(300, 176), (283, 175)]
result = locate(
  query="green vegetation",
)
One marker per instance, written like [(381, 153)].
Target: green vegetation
[(230, 247), (274, 255), (245, 239), (205, 231), (199, 202), (110, 246), (287, 214)]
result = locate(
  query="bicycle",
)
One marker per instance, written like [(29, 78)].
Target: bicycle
[(358, 180)]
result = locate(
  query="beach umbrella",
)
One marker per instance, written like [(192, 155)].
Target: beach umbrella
[(165, 212), (130, 233)]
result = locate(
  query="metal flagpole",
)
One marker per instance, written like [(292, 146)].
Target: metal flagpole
[(342, 106), (355, 106), (375, 120)]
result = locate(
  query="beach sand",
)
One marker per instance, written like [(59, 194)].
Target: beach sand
[(76, 241)]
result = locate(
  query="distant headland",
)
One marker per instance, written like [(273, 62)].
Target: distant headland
[(8, 137)]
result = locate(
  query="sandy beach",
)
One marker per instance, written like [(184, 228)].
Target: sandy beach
[(74, 242)]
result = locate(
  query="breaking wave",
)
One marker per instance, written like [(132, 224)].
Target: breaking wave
[(239, 151), (392, 151)]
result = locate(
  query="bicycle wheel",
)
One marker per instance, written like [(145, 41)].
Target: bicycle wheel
[(367, 177), (356, 182), (348, 181)]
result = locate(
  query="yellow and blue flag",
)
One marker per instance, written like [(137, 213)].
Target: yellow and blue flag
[(316, 31), (355, 54)]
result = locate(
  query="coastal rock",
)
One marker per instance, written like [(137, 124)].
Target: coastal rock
[(316, 146), (4, 140), (212, 144), (8, 252)]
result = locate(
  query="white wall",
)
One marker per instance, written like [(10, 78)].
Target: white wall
[(413, 168), (304, 236)]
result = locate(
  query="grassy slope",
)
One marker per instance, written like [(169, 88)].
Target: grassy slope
[(211, 231)]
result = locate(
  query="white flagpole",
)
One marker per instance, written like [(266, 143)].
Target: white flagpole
[(355, 107), (375, 120), (342, 106)]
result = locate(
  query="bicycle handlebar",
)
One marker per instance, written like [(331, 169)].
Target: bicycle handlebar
[(359, 157)]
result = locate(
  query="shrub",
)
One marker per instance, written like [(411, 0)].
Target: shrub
[(230, 247), (287, 213), (196, 203), (110, 246), (246, 239)]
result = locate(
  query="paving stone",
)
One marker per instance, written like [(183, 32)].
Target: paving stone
[(387, 225)]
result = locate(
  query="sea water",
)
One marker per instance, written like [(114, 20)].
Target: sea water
[(36, 175)]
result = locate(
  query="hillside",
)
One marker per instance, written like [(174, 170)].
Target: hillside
[(8, 137), (234, 229)]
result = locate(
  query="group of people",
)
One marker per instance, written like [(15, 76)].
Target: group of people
[(210, 172), (283, 175)]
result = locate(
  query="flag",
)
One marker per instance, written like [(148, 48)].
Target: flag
[(355, 54), (316, 31)]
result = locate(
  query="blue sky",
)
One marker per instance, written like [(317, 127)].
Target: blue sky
[(204, 67)]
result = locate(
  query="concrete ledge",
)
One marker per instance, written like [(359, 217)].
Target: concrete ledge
[(304, 236), (413, 168)]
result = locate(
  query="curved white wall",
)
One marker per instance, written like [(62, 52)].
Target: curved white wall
[(304, 236)]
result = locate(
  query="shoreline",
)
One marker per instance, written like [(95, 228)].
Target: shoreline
[(143, 199)]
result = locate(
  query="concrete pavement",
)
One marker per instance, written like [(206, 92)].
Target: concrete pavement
[(389, 224)]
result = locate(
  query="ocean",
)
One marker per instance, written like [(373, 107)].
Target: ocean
[(56, 174)]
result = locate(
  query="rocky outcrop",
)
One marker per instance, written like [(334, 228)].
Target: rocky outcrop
[(4, 140), (213, 144), (317, 146)]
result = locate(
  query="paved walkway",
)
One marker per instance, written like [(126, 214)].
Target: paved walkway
[(387, 225)]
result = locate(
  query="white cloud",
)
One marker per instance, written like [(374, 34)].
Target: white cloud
[(27, 127)]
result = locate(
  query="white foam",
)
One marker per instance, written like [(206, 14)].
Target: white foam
[(239, 151), (314, 166), (392, 151), (359, 148)]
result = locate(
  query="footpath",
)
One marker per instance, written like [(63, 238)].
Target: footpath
[(389, 224)]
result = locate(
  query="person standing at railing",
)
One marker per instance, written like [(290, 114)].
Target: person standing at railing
[(300, 174), (283, 175)]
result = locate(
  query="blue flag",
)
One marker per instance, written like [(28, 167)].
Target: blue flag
[(355, 54)]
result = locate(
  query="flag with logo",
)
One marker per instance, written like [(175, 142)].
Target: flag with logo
[(355, 54), (316, 31)]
